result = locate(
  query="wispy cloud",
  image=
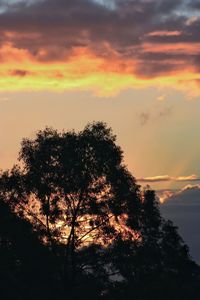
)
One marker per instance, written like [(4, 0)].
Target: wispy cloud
[(160, 178), (187, 178), (152, 116), (155, 178), (144, 118)]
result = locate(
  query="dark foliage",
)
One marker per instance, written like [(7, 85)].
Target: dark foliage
[(74, 224), (25, 263)]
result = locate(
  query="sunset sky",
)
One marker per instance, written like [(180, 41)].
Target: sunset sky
[(133, 64)]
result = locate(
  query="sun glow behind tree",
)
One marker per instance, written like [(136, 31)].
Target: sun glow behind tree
[(96, 223)]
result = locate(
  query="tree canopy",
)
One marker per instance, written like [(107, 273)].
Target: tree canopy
[(103, 234)]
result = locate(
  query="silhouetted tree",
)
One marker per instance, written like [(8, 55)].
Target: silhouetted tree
[(105, 236), (78, 194)]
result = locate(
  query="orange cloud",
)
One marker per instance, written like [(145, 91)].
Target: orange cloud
[(83, 70), (172, 48), (164, 33), (67, 45)]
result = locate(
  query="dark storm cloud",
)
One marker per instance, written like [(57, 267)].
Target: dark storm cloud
[(125, 25), (195, 4), (58, 26)]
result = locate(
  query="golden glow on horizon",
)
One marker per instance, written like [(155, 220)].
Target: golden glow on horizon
[(83, 70)]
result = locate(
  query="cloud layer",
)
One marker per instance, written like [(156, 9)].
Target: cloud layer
[(72, 44), (183, 208)]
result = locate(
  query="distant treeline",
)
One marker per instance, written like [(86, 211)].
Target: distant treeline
[(74, 224)]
